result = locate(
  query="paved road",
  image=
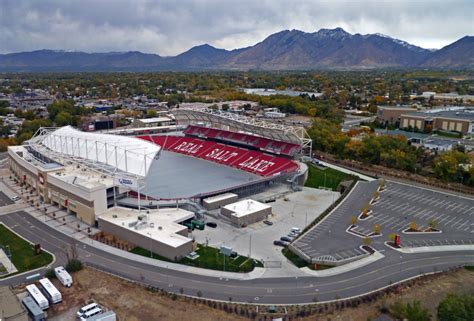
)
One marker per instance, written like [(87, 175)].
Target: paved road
[(286, 290)]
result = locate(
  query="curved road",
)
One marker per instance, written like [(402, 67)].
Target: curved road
[(283, 290)]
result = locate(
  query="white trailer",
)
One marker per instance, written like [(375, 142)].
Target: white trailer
[(37, 296), (50, 291), (63, 276)]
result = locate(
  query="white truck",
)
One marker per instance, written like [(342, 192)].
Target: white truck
[(50, 291), (63, 276), (37, 296)]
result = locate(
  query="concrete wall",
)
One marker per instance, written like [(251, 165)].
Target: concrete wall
[(145, 242), (210, 205)]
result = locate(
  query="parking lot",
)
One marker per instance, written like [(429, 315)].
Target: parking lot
[(401, 204), (257, 239), (397, 207), (328, 239)]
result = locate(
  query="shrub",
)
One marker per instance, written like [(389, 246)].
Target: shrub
[(456, 308), (74, 265)]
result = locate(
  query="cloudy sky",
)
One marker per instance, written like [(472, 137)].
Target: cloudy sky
[(169, 27)]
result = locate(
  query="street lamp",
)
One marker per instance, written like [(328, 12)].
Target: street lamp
[(151, 245)]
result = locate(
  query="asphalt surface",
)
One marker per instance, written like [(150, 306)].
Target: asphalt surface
[(5, 200), (398, 205), (286, 290)]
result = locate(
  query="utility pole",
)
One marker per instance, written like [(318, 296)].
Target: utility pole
[(250, 249)]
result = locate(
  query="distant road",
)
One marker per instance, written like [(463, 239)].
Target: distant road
[(283, 290)]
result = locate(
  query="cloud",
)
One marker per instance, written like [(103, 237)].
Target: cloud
[(170, 27)]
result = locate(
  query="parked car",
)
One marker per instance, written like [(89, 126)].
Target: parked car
[(15, 198), (296, 229), (211, 224), (286, 239), (268, 222), (280, 243)]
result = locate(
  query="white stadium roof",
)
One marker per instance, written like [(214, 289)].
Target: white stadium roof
[(129, 155)]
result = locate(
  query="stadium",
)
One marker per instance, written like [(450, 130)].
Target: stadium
[(101, 179)]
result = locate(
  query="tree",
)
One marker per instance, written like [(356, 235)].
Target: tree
[(456, 308), (64, 118), (377, 229), (413, 226), (446, 166), (151, 113), (433, 224), (353, 220), (367, 241)]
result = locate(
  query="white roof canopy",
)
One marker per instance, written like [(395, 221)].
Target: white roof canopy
[(127, 154)]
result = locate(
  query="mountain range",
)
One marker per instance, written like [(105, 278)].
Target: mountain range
[(326, 49)]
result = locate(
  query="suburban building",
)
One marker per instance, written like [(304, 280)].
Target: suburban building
[(439, 145), (390, 115), (153, 122), (455, 119)]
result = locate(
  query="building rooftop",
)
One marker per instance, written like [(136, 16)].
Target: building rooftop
[(220, 197), (454, 113), (438, 142), (246, 207), (10, 308), (161, 225), (154, 120), (404, 107)]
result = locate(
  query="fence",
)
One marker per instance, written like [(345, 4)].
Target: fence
[(383, 171)]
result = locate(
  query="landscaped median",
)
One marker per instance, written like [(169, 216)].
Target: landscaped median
[(22, 252), (209, 258)]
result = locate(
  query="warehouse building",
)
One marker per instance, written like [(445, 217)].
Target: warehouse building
[(454, 119), (246, 212), (390, 115)]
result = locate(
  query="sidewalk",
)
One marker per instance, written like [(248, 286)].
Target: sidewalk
[(439, 248), (80, 237), (347, 171)]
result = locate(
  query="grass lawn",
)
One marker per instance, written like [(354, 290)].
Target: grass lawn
[(449, 134), (326, 177), (144, 252), (209, 258), (23, 256)]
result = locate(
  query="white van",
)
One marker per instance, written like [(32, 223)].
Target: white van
[(63, 276), (86, 309), (91, 313)]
